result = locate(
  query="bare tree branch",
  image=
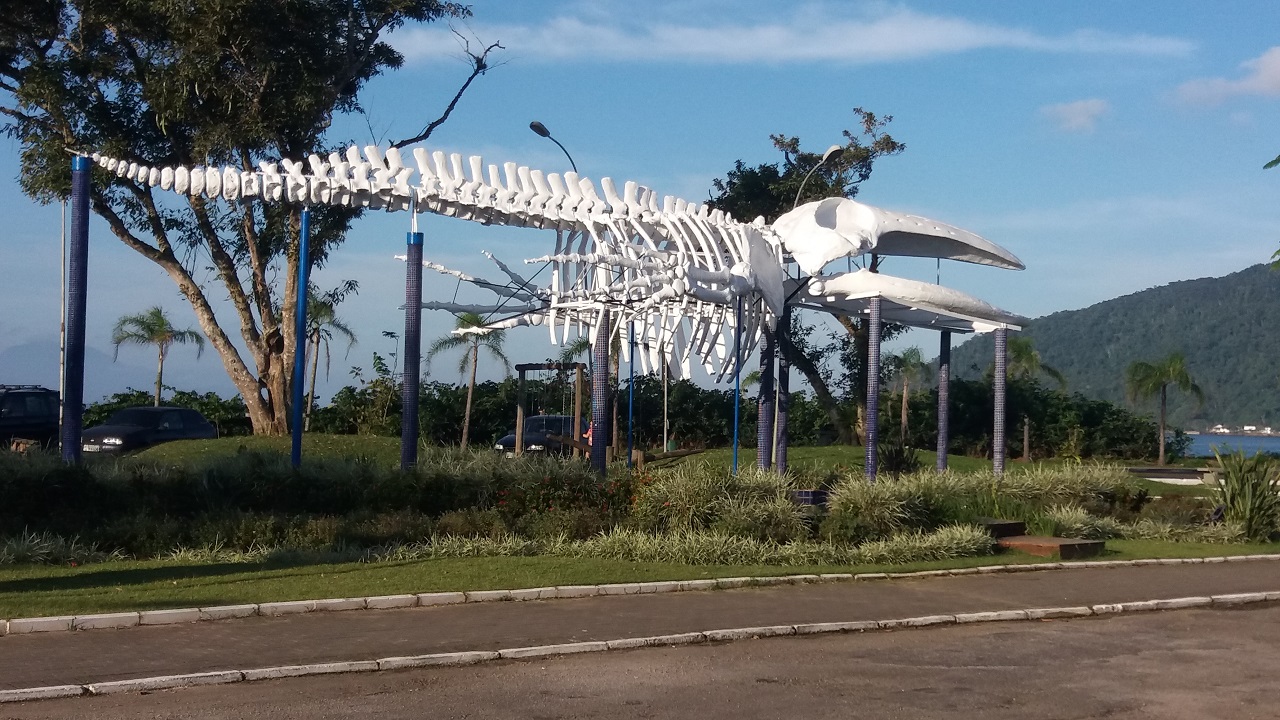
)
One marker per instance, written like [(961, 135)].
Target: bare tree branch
[(479, 65)]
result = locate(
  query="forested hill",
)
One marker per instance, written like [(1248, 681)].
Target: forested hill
[(1228, 328)]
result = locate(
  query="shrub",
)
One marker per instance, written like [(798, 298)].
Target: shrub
[(472, 523), (859, 511), (36, 548), (898, 459), (1071, 521), (775, 518), (576, 524), (698, 496), (694, 547), (945, 543), (1181, 510), (1149, 529), (540, 485), (1248, 494)]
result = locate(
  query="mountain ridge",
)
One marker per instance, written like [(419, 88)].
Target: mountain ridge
[(1227, 327)]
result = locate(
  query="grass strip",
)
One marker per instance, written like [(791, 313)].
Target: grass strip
[(30, 591)]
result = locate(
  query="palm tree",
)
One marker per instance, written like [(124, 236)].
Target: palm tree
[(322, 325), (472, 342), (153, 328), (910, 365), (1144, 380), (1024, 363)]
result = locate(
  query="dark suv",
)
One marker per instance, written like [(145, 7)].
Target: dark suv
[(28, 413), (544, 434)]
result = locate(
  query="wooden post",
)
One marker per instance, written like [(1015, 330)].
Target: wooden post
[(520, 414), (577, 411)]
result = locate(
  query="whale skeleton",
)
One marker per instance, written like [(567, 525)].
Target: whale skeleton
[(689, 279)]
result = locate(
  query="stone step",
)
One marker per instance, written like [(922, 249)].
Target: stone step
[(1052, 547), (1002, 528)]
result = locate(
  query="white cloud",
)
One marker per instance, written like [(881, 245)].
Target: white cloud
[(1078, 116), (1262, 77), (811, 32)]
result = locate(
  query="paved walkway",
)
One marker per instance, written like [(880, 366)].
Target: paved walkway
[(103, 655)]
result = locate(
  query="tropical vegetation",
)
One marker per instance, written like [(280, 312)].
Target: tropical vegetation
[(468, 337), (207, 83), (153, 327), (252, 504), (1225, 327), (1145, 380)]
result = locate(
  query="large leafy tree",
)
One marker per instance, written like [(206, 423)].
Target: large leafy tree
[(204, 82), (1148, 379), (470, 342), (153, 327), (770, 189)]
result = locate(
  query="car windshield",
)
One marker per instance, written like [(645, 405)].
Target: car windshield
[(135, 417), (549, 425)]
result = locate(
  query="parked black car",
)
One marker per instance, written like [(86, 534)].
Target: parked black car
[(543, 434), (136, 428), (28, 413)]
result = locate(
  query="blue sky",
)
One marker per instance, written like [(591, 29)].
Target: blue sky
[(1112, 146)]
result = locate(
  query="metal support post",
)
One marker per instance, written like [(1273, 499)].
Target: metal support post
[(944, 399), (873, 388), (737, 378), (600, 395), (77, 299), (300, 335), (412, 351), (784, 392), (998, 390), (765, 405), (631, 393)]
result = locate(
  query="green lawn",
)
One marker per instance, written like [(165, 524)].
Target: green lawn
[(28, 591), (382, 450), (386, 451), (806, 459), (1157, 488)]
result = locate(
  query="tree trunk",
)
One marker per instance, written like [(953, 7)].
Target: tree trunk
[(1163, 397), (159, 374), (314, 346), (471, 386), (820, 391), (271, 348), (903, 434), (1026, 438)]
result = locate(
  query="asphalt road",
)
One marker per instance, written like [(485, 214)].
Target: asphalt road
[(58, 658), (1186, 664)]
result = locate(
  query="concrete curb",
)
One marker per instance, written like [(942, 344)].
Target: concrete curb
[(165, 682), (21, 626)]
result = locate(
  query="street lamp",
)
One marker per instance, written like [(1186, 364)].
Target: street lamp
[(833, 152), (542, 130)]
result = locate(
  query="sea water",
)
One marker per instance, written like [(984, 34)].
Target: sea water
[(1203, 445)]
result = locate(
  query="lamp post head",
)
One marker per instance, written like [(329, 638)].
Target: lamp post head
[(541, 130), (832, 153)]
